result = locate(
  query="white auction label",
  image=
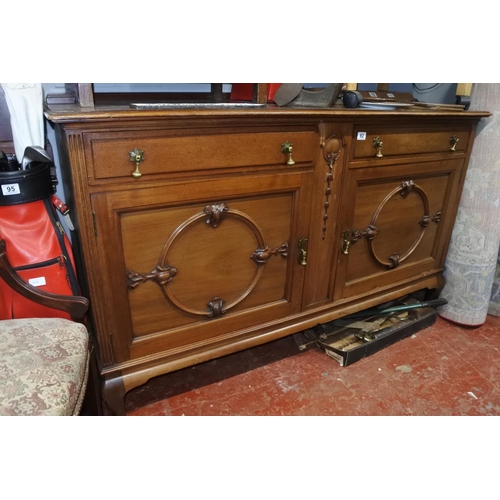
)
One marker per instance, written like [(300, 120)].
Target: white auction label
[(361, 136), (37, 281), (8, 189)]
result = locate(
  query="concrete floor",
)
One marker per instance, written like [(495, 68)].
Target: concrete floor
[(445, 369)]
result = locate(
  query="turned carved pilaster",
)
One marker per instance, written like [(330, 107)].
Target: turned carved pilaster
[(331, 151)]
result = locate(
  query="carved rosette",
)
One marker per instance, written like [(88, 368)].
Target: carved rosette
[(406, 188), (213, 215), (394, 260), (262, 255), (369, 233), (426, 219), (372, 230), (216, 307), (160, 274)]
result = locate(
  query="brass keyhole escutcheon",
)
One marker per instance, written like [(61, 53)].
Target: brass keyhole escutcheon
[(453, 141), (136, 156), (345, 242), (302, 258), (377, 144), (287, 148)]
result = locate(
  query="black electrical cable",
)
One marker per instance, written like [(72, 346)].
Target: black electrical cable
[(428, 89)]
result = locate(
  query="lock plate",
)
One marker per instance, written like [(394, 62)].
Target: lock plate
[(302, 257)]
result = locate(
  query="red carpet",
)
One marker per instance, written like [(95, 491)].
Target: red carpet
[(445, 369)]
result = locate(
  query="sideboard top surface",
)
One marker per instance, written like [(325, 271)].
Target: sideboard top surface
[(74, 113)]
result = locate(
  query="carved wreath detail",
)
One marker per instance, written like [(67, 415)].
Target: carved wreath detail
[(405, 188), (164, 273)]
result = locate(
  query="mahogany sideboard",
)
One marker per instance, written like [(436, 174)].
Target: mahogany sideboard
[(201, 232)]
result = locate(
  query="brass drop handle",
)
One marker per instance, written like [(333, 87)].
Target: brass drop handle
[(453, 141), (136, 156), (377, 144), (287, 148), (302, 251)]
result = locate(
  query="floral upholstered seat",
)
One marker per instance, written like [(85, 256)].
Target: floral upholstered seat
[(43, 366), (44, 362)]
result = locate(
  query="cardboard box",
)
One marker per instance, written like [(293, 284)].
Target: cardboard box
[(348, 341)]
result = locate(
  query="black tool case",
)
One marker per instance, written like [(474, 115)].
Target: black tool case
[(347, 342)]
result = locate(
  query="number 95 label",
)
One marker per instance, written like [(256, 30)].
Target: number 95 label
[(9, 189)]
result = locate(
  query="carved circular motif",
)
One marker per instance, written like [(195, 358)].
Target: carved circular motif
[(403, 190), (215, 307)]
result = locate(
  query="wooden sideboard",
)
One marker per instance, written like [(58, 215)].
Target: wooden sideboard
[(201, 232)]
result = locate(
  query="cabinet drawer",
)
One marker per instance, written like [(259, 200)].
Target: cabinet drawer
[(406, 142), (109, 153)]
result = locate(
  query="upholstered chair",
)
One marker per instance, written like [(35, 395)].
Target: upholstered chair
[(44, 362)]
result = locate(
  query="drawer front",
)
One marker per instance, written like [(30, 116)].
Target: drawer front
[(109, 154), (377, 143)]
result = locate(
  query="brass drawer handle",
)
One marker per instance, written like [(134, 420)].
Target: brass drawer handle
[(287, 148), (136, 156), (377, 144), (453, 141)]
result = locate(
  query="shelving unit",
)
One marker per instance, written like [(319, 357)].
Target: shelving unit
[(84, 95)]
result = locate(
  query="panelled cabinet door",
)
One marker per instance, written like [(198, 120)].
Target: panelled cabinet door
[(395, 223), (189, 264)]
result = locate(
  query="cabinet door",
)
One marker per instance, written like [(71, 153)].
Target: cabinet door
[(195, 263), (396, 223)]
